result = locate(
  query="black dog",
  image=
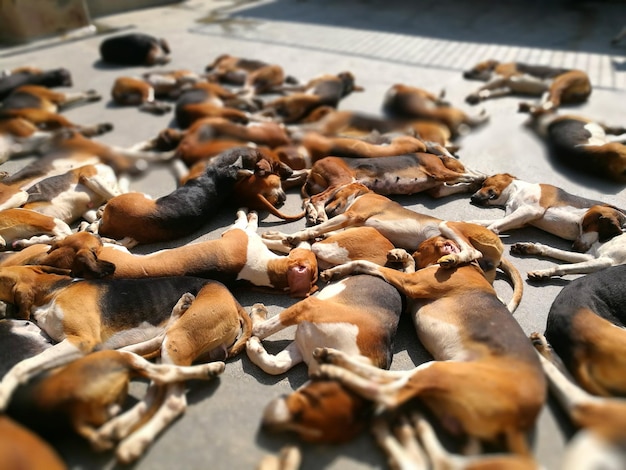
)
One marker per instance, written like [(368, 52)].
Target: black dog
[(134, 49), (241, 173), (30, 76), (585, 327)]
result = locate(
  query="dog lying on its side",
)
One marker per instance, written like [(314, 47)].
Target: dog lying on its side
[(485, 381), (358, 315), (600, 244), (138, 315)]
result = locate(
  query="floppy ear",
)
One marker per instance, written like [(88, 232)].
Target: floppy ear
[(53, 270), (262, 168), (87, 265), (610, 226)]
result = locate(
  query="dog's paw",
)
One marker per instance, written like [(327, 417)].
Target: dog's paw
[(183, 304), (213, 369), (274, 235), (258, 312), (327, 275), (325, 355), (523, 248), (448, 261), (539, 275), (474, 98), (132, 448), (398, 255), (254, 346)]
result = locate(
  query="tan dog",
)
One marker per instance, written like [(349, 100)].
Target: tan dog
[(240, 256), (408, 102), (358, 315), (485, 381), (556, 86), (544, 206), (22, 448), (90, 391), (138, 315), (601, 243)]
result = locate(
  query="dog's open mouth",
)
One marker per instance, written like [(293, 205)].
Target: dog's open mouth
[(448, 247)]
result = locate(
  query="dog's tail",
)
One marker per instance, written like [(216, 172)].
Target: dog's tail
[(246, 333), (516, 280), (272, 210)]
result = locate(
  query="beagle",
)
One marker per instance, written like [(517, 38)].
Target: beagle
[(358, 315), (485, 380), (601, 243), (240, 256), (409, 102), (52, 78), (544, 206), (555, 86), (582, 143), (242, 172), (184, 319)]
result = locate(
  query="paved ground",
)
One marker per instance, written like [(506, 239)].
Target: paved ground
[(426, 44)]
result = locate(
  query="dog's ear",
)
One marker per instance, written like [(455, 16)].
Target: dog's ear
[(610, 226), (87, 265), (263, 167), (53, 270)]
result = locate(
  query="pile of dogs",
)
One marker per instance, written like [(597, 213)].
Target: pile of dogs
[(85, 315)]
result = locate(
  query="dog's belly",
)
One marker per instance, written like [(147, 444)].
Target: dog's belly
[(49, 318), (561, 221), (340, 336), (397, 184), (527, 84)]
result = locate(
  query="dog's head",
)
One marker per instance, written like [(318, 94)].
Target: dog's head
[(302, 272), (321, 411), (342, 196), (493, 190), (432, 249), (79, 253), (599, 224), (348, 83), (59, 77), (482, 71)]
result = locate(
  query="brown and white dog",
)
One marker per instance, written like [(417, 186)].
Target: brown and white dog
[(555, 86), (39, 97), (355, 206), (186, 319), (436, 175), (541, 205), (23, 227), (600, 244), (254, 76), (85, 394), (600, 441), (325, 90), (485, 381), (358, 315), (239, 256), (15, 78), (147, 91), (582, 143), (409, 102)]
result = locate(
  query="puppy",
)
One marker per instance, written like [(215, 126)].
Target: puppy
[(135, 49)]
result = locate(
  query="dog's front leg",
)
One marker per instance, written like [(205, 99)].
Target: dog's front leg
[(586, 267), (516, 219), (58, 355), (539, 249), (492, 89), (273, 364), (401, 446)]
